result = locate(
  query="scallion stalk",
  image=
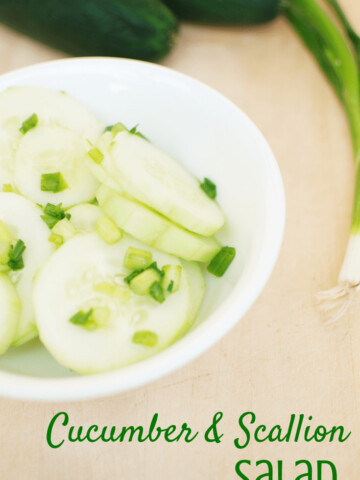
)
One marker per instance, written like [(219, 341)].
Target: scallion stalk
[(145, 338), (53, 182), (334, 56), (29, 123), (108, 230)]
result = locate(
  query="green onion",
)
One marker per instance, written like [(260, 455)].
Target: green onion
[(96, 155), (154, 266), (352, 35), (53, 182), (29, 123), (134, 131), (108, 230), (7, 188), (136, 259), (157, 292), (334, 56), (171, 278), (132, 275), (115, 129), (65, 229), (209, 188), (94, 318), (54, 213), (142, 282), (221, 262), (56, 239), (84, 319), (145, 338), (16, 261), (94, 201)]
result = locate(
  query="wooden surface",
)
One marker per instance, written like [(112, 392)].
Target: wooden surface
[(281, 358)]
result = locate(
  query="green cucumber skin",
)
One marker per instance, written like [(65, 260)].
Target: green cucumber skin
[(232, 12), (141, 29)]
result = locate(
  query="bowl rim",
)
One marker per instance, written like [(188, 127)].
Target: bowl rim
[(205, 335)]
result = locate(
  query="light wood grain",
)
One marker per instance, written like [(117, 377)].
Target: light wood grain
[(280, 359)]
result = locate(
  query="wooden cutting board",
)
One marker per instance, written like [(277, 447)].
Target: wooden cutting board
[(281, 359)]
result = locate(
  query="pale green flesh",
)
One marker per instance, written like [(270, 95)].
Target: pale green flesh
[(22, 218), (153, 229), (65, 285), (157, 180), (84, 217)]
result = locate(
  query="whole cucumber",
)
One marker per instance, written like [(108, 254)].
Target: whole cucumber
[(225, 11), (142, 29)]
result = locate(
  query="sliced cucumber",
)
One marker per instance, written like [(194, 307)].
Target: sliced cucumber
[(9, 312), (153, 229), (69, 285), (22, 219), (84, 217), (53, 108), (48, 150), (157, 180)]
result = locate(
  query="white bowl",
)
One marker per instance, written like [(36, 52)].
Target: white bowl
[(211, 137)]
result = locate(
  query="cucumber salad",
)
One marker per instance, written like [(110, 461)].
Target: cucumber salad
[(104, 238)]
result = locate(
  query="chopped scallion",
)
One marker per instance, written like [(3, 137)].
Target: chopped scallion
[(145, 338), (56, 239), (29, 123), (16, 261), (115, 129), (136, 259), (84, 319), (157, 292), (7, 188), (108, 230), (171, 278), (221, 262), (142, 282), (96, 155), (53, 182), (209, 188)]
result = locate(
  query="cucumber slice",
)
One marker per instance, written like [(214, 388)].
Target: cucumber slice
[(157, 180), (153, 229), (45, 150), (52, 107), (9, 312), (69, 283), (22, 219), (84, 217)]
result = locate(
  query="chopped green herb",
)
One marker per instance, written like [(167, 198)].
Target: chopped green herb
[(145, 338), (54, 213), (84, 319), (56, 239), (209, 188), (115, 129), (108, 230), (16, 261), (157, 292), (132, 275), (172, 277), (29, 123), (53, 182), (142, 282), (221, 262), (156, 268), (94, 201), (96, 155), (7, 188), (136, 258), (134, 131)]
